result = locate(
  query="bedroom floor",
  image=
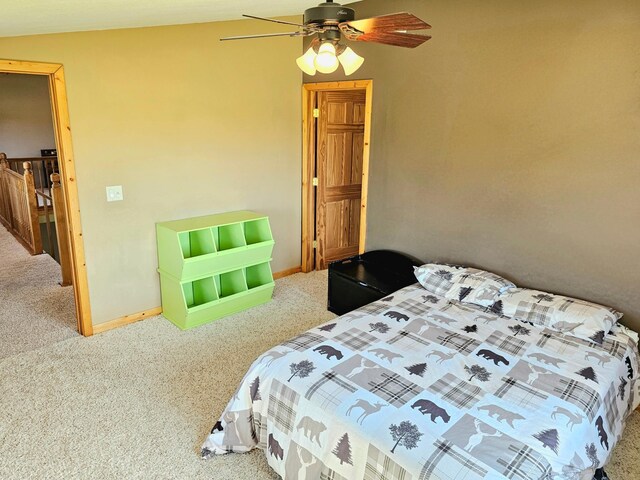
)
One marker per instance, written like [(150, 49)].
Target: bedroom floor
[(34, 310), (138, 401)]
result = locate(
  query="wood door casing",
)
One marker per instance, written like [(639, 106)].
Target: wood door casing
[(340, 148)]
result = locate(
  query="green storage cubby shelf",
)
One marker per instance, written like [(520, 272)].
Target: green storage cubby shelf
[(257, 231), (196, 243), (229, 237), (199, 292), (231, 283), (258, 275), (213, 266)]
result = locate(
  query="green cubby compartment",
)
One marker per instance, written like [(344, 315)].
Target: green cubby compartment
[(228, 237), (257, 231), (196, 243), (231, 283), (199, 292), (258, 275)]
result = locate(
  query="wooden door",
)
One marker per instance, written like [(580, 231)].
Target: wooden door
[(339, 150)]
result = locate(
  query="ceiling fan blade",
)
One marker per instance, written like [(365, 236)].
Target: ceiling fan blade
[(389, 23), (273, 20), (397, 39), (266, 35)]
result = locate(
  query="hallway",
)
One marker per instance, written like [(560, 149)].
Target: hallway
[(34, 310)]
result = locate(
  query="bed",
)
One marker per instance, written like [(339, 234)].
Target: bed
[(420, 386)]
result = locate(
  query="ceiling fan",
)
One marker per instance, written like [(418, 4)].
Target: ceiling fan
[(329, 21)]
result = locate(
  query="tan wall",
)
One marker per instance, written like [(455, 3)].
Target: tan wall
[(26, 126), (511, 141), (189, 126)]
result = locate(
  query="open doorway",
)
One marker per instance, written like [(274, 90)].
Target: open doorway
[(29, 169), (335, 170), (48, 181)]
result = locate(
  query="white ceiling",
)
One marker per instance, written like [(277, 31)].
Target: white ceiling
[(28, 17)]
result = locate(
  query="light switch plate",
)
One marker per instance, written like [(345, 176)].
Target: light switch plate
[(114, 193)]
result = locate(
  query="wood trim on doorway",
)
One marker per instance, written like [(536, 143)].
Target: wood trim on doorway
[(62, 128), (309, 91)]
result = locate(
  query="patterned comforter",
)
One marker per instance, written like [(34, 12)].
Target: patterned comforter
[(418, 387)]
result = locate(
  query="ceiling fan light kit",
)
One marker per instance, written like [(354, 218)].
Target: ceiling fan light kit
[(326, 60), (306, 62), (329, 21), (350, 61)]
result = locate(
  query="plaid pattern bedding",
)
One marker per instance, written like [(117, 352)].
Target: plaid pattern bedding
[(415, 387)]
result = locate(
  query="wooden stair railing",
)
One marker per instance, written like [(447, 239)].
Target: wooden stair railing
[(19, 212), (32, 208), (5, 204), (62, 229)]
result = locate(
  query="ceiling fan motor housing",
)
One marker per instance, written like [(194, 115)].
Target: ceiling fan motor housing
[(328, 12)]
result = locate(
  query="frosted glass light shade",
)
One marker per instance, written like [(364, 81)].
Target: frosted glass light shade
[(350, 61), (326, 60), (306, 62)]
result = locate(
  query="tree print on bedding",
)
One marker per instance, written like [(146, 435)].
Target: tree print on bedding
[(519, 330), (549, 439), (478, 371), (302, 369), (543, 297), (598, 337), (417, 369), (379, 327), (328, 328), (464, 292), (588, 373), (592, 454), (470, 329), (429, 299), (343, 450), (444, 274), (497, 308), (254, 390), (406, 435)]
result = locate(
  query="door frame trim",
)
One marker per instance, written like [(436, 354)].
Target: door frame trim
[(309, 91), (66, 163)]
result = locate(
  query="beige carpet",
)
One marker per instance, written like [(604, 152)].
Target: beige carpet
[(34, 310), (137, 402)]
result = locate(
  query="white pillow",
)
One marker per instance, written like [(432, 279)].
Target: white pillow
[(466, 284), (564, 314)]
